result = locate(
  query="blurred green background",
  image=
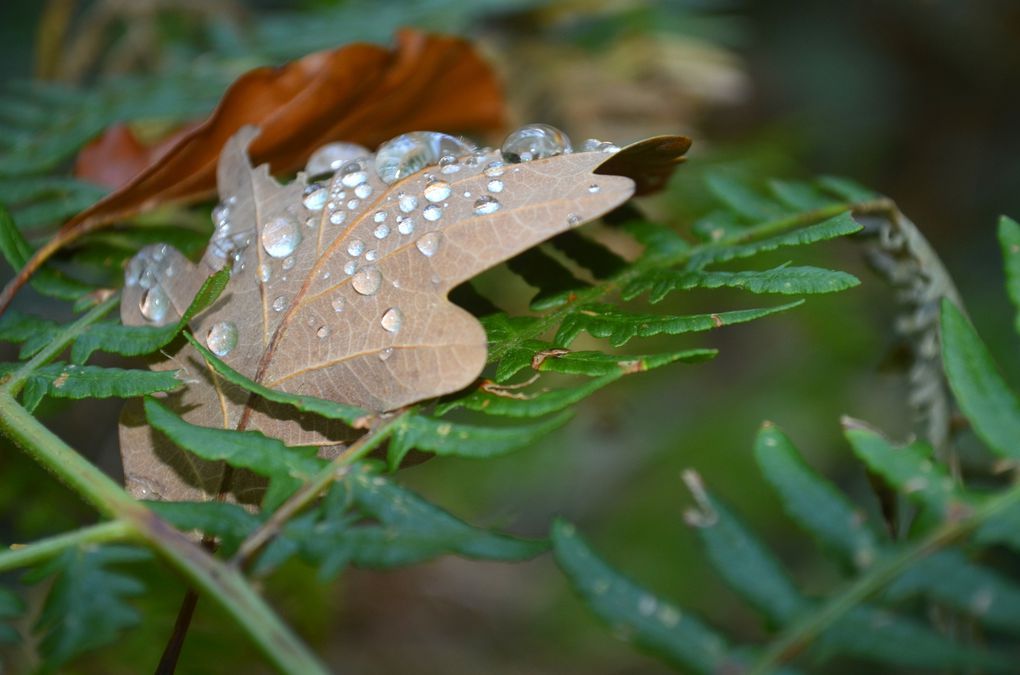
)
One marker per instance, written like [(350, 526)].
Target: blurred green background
[(916, 99)]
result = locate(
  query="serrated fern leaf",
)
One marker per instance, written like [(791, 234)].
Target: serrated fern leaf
[(46, 281), (799, 195), (1009, 242), (61, 380), (32, 332), (783, 280), (555, 283), (11, 607), (87, 605)]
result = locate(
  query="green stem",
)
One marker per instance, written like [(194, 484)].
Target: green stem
[(225, 584), (38, 551), (59, 343), (801, 633), (546, 322)]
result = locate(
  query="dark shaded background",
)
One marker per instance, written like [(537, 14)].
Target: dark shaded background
[(918, 100)]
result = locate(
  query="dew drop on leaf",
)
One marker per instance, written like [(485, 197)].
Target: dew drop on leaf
[(495, 185), (379, 217), (381, 231), (352, 174), (385, 353), (280, 236), (573, 219), (337, 217), (392, 320), (428, 244), (222, 338), (593, 188), (437, 191), (534, 141), (494, 169), (367, 281), (406, 202), (332, 156), (433, 212), (485, 205), (322, 332), (405, 225), (350, 267), (288, 263), (279, 303), (355, 247), (338, 303), (315, 197), (154, 304), (363, 191), (409, 153)]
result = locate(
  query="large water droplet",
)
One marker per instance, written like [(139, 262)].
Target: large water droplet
[(407, 202), (154, 304), (332, 156), (366, 281), (410, 153), (352, 174), (279, 303), (392, 320), (534, 141), (315, 197), (428, 244), (355, 247), (280, 236), (433, 212), (486, 204), (222, 338), (437, 191)]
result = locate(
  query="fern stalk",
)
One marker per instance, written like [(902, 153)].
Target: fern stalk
[(31, 554)]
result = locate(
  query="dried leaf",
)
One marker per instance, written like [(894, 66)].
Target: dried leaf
[(359, 93), (340, 291)]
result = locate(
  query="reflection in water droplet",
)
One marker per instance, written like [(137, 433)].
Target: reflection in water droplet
[(355, 247), (428, 244), (495, 185), (437, 191), (315, 197), (154, 304), (322, 332), (338, 303), (485, 205), (279, 303), (392, 320), (386, 353), (331, 156), (381, 231), (288, 263), (405, 225), (379, 217), (222, 338), (433, 212), (593, 188), (534, 141), (337, 217), (280, 236), (410, 153), (573, 219), (265, 272), (363, 191), (494, 169), (366, 281), (407, 202)]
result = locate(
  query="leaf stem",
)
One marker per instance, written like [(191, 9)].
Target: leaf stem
[(311, 489), (225, 584), (809, 626), (26, 555)]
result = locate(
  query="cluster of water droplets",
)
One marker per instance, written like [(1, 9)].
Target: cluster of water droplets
[(150, 270)]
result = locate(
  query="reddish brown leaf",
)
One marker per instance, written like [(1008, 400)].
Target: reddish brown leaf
[(649, 163), (117, 156)]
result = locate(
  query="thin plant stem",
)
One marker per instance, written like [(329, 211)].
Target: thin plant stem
[(25, 555)]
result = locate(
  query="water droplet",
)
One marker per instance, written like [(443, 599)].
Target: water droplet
[(381, 231), (222, 338), (428, 244), (315, 197), (337, 217), (495, 185), (385, 353), (405, 226), (311, 222), (366, 281), (154, 304), (352, 175), (265, 272), (593, 188), (595, 145), (494, 169), (332, 156), (279, 303), (372, 255), (221, 214), (353, 204), (338, 303), (448, 164), (407, 154), (534, 141), (288, 263), (485, 205), (363, 191), (573, 219), (350, 267), (407, 202), (322, 332), (433, 212), (280, 236), (355, 247), (379, 217), (437, 191), (392, 320)]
